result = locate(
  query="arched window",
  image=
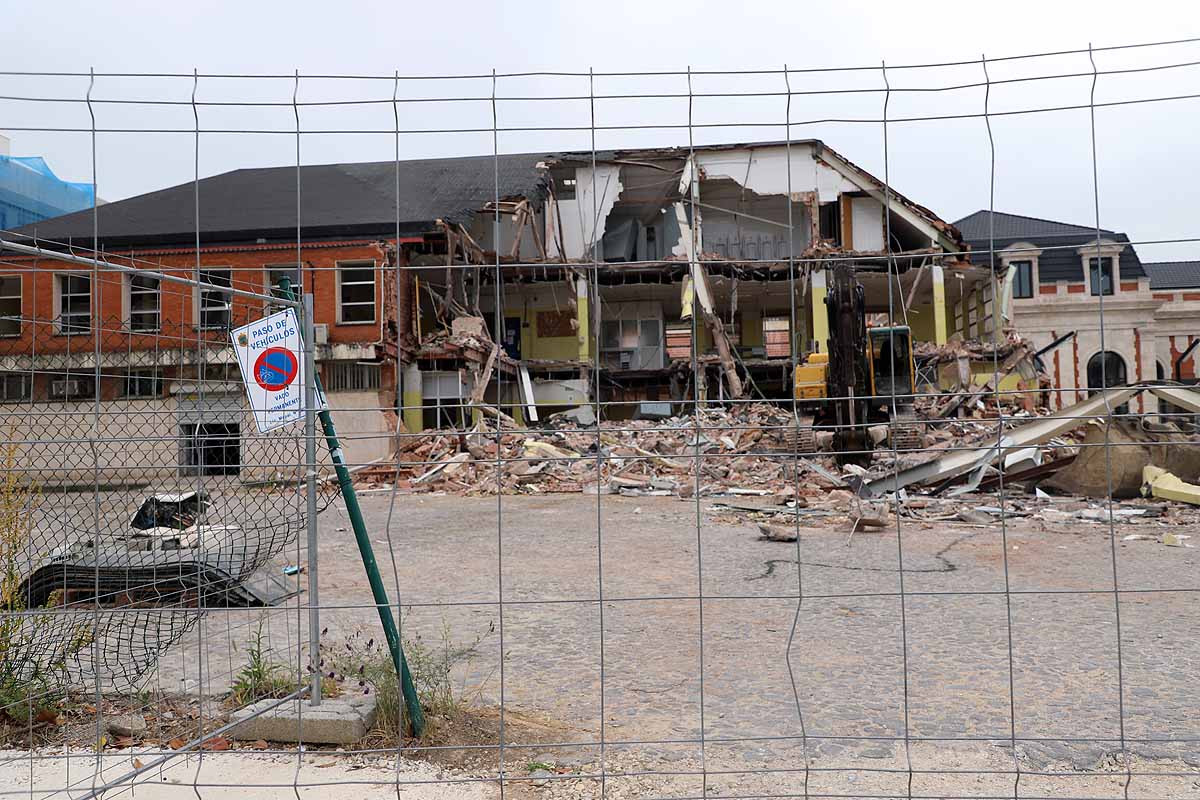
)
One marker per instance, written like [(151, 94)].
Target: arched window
[(1106, 369)]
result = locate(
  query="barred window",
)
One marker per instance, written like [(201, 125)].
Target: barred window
[(350, 376)]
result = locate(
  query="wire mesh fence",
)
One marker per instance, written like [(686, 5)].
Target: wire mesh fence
[(696, 459)]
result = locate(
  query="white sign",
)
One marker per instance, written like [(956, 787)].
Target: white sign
[(270, 353)]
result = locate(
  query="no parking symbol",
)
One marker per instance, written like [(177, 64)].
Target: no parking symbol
[(275, 368)]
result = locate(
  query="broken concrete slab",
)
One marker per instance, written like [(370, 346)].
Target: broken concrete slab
[(338, 720), (1157, 482)]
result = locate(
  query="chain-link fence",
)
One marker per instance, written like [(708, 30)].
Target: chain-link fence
[(690, 457)]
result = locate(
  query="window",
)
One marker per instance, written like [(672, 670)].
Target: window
[(631, 344), (14, 387), (1105, 370), (350, 376), (1022, 278), (211, 449), (70, 386), (74, 303), (830, 222), (10, 305), (143, 303), (275, 275), (1100, 271), (143, 383), (442, 395), (215, 305), (356, 292)]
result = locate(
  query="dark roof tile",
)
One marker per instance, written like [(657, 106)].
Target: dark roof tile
[(1173, 274), (335, 200)]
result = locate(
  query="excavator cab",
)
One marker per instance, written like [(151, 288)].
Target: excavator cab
[(891, 365)]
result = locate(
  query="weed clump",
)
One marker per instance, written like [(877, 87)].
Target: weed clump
[(361, 664)]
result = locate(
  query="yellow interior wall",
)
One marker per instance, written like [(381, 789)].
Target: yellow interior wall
[(704, 341), (533, 344), (981, 374), (921, 321)]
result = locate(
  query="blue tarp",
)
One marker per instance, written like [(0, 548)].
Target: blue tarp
[(30, 192)]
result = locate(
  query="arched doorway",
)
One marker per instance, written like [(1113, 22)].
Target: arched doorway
[(1106, 369)]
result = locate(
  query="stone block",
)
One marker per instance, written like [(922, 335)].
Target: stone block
[(339, 720)]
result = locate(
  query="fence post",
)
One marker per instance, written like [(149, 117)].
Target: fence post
[(310, 469)]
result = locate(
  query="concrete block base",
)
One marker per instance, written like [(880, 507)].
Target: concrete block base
[(340, 720)]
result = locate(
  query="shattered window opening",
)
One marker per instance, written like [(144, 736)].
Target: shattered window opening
[(211, 449)]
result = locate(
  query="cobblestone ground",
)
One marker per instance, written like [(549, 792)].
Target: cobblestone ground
[(675, 665)]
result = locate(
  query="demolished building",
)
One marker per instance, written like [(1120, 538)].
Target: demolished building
[(631, 275), (445, 288)]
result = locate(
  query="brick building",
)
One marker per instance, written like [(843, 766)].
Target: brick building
[(165, 365)]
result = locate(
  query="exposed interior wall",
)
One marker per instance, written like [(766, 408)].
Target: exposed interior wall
[(545, 312), (583, 217), (867, 224), (482, 229), (762, 234)]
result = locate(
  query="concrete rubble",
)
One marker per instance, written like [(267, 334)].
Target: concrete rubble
[(338, 720), (1050, 464)]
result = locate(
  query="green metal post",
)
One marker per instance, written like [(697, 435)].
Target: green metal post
[(412, 704)]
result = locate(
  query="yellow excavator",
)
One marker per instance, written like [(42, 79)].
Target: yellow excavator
[(866, 379)]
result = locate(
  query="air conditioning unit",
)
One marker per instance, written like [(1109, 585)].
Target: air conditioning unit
[(64, 388), (321, 333)]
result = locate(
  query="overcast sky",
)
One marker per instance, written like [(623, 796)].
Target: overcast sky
[(1147, 159)]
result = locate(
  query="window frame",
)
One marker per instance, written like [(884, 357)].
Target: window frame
[(85, 379), (642, 357), (1099, 263), (361, 265), (20, 298), (142, 374), (1016, 265), (26, 381), (61, 279), (291, 267), (132, 314), (201, 292)]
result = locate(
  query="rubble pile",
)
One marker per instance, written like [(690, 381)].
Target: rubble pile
[(739, 454)]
